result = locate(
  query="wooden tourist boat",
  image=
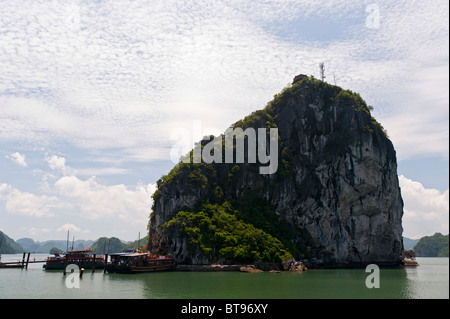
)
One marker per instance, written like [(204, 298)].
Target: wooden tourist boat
[(81, 258), (136, 262), (408, 258)]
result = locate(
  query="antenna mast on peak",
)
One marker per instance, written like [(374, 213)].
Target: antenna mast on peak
[(322, 71)]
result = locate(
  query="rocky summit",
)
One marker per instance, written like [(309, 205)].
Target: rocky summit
[(333, 201)]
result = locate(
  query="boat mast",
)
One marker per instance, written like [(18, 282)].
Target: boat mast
[(67, 248)]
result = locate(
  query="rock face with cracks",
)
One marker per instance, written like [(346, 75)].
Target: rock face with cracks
[(334, 200)]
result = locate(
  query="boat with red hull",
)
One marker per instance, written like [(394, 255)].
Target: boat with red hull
[(137, 262)]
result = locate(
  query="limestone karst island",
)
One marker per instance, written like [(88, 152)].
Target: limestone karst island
[(333, 201)]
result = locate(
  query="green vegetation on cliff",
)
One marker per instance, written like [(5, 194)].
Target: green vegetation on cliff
[(56, 250), (219, 233), (261, 214), (432, 246)]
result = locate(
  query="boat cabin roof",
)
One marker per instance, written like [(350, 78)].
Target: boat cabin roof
[(127, 254), (136, 254), (80, 251)]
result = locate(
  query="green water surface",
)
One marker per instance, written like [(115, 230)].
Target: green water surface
[(429, 280)]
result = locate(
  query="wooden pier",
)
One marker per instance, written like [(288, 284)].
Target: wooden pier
[(21, 264), (10, 265)]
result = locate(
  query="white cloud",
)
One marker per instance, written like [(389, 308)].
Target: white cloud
[(426, 210), (25, 203), (18, 158), (71, 228), (101, 171), (93, 200), (420, 128), (83, 201), (88, 198), (58, 163), (36, 231), (112, 74)]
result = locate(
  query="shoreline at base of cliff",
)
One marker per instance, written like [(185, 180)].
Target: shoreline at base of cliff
[(253, 268), (290, 265)]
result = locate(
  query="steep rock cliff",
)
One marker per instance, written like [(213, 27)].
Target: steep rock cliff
[(333, 201)]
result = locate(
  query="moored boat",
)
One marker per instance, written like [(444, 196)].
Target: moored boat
[(408, 258), (137, 262), (81, 258)]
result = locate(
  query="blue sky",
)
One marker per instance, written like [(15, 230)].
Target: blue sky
[(90, 93)]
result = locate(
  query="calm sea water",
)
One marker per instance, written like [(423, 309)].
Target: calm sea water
[(429, 280)]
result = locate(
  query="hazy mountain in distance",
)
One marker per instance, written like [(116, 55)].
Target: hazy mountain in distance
[(409, 243), (44, 247)]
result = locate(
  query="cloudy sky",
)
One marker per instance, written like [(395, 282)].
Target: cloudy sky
[(90, 92)]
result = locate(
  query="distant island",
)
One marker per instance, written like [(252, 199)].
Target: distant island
[(33, 246), (99, 246), (326, 194), (432, 246), (428, 246)]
